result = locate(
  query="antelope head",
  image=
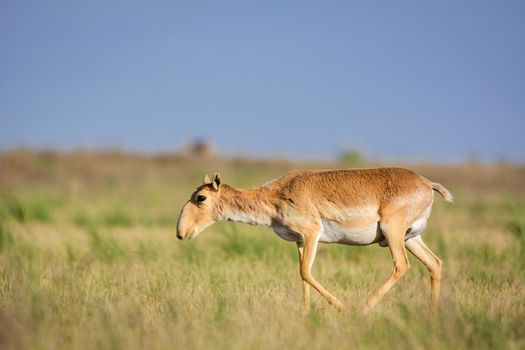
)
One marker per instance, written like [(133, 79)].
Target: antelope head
[(201, 210)]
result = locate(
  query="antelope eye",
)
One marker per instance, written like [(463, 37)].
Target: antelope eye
[(201, 198)]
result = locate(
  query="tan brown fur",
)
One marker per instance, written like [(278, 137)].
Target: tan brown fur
[(302, 205)]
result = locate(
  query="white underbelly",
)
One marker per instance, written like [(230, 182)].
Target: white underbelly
[(334, 232)]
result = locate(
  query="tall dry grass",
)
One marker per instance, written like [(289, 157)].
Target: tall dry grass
[(89, 259)]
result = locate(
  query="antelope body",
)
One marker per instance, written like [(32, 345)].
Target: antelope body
[(388, 206)]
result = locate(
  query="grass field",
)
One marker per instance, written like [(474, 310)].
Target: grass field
[(89, 259)]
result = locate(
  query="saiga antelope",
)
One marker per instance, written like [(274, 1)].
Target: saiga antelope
[(389, 206)]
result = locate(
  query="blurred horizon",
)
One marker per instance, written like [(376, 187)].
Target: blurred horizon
[(441, 82)]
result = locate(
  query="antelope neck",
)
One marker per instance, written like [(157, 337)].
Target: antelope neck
[(251, 207)]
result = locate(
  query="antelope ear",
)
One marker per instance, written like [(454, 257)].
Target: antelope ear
[(206, 180), (216, 181)]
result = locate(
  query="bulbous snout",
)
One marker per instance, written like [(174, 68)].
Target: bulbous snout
[(181, 224), (182, 233), (192, 221), (186, 224)]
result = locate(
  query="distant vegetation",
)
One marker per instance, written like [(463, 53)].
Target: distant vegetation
[(89, 259), (352, 158)]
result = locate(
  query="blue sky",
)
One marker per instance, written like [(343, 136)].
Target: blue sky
[(436, 80)]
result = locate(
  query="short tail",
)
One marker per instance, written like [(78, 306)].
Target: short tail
[(442, 191)]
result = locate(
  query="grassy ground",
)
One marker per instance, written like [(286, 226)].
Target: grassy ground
[(89, 259)]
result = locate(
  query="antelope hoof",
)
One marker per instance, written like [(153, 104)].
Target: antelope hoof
[(366, 310), (368, 307), (434, 313), (339, 305)]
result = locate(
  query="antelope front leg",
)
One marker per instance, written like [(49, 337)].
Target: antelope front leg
[(306, 286), (308, 256)]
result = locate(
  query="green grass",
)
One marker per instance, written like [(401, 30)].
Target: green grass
[(95, 267), (34, 208)]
